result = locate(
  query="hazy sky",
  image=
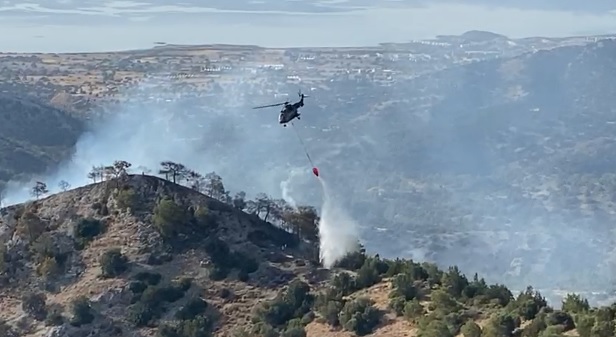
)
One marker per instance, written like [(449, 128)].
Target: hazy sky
[(72, 25)]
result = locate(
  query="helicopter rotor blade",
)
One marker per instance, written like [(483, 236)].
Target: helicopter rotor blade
[(269, 106)]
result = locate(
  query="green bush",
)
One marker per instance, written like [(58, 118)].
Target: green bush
[(193, 308), (560, 318), (34, 304), (435, 328), (360, 316), (87, 229), (170, 219), (471, 329), (294, 302), (185, 283), (150, 304), (126, 198), (574, 304), (155, 296), (369, 274), (141, 314), (148, 277), (82, 312), (113, 263), (528, 303), (500, 325), (343, 283), (397, 305), (328, 304), (413, 310), (54, 317), (294, 332), (454, 281), (217, 273), (403, 287), (352, 261), (584, 324), (245, 263), (198, 327), (137, 287)]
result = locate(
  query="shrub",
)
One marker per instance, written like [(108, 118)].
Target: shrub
[(471, 329), (154, 296), (499, 325), (156, 260), (140, 314), (344, 283), (148, 277), (137, 287), (294, 332), (185, 283), (454, 281), (413, 310), (574, 304), (294, 302), (225, 293), (560, 318), (360, 316), (169, 218), (34, 304), (87, 229), (243, 276), (435, 328), (368, 275), (113, 263), (198, 327), (193, 308), (403, 287), (126, 198), (218, 273), (397, 305), (82, 312), (54, 316), (49, 267), (352, 261)]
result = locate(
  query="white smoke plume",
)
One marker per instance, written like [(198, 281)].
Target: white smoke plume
[(338, 232), (224, 136), (285, 186)]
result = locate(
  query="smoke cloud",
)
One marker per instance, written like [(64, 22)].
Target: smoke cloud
[(247, 148), (286, 186)]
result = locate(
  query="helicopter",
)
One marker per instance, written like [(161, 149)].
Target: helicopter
[(289, 111)]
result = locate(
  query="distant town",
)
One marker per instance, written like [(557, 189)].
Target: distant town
[(79, 81)]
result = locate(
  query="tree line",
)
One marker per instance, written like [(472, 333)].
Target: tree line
[(302, 220)]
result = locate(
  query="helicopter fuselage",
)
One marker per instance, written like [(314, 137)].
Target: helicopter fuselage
[(290, 112), (287, 115)]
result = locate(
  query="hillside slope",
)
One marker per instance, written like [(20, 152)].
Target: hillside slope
[(33, 136), (55, 244), (141, 256)]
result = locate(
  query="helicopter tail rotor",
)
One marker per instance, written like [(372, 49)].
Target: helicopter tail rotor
[(299, 93)]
